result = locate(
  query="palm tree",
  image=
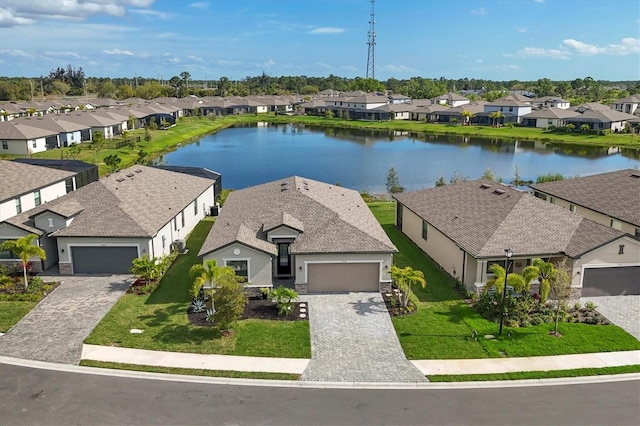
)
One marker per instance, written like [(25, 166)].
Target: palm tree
[(468, 115), (209, 273), (495, 117), (25, 249), (145, 267), (404, 278)]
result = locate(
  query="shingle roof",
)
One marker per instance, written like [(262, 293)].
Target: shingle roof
[(333, 219), (615, 194), (551, 113), (19, 178), (15, 130), (135, 202), (484, 217)]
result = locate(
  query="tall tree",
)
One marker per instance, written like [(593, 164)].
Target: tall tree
[(560, 288), (393, 182), (25, 249)]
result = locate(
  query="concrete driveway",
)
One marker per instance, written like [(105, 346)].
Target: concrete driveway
[(54, 330), (623, 311), (353, 340)]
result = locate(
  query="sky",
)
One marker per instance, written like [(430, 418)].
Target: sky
[(490, 39)]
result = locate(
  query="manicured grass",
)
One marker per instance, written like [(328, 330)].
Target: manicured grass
[(553, 374), (12, 312), (163, 317), (191, 371), (443, 326)]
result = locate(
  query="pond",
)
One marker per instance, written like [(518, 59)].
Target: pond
[(250, 155)]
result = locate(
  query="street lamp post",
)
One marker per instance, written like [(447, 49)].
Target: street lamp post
[(508, 253)]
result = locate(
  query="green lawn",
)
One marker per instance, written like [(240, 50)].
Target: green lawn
[(191, 371), (443, 326), (162, 316), (552, 374), (12, 312)]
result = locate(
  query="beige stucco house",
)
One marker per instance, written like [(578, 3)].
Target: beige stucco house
[(322, 237), (467, 226)]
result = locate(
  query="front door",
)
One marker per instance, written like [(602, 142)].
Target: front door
[(284, 259)]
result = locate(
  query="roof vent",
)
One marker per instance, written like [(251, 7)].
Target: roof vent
[(485, 186), (138, 170), (120, 180), (498, 191), (130, 175)]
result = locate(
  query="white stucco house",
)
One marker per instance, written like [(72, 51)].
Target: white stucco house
[(466, 227), (103, 226), (314, 235)]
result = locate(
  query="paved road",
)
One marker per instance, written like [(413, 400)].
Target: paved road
[(623, 311), (54, 330), (33, 396), (353, 340)]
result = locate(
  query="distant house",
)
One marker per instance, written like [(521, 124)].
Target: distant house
[(319, 236), (426, 112), (513, 110), (612, 199), (547, 117), (103, 226), (17, 138), (466, 227), (400, 111), (398, 99), (600, 119), (69, 133), (550, 102), (451, 99), (627, 105)]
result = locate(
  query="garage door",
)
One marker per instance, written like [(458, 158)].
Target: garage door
[(343, 277), (611, 281), (102, 260)]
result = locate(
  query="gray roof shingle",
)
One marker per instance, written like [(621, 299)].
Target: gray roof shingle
[(19, 178), (484, 217), (615, 194), (332, 219)]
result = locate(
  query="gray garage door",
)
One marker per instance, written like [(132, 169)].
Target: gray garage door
[(323, 277), (611, 281), (102, 260)]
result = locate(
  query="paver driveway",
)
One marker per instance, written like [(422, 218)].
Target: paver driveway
[(623, 311), (353, 340), (54, 330)]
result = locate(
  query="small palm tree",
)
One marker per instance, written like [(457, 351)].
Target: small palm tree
[(468, 115), (404, 278), (25, 249), (496, 116), (210, 274)]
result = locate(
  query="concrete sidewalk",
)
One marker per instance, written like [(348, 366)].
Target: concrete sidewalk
[(297, 365)]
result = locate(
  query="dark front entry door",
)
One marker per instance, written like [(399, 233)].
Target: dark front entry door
[(284, 259)]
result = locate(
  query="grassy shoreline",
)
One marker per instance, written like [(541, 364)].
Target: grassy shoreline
[(190, 129)]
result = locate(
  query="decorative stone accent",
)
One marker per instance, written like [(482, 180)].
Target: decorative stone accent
[(303, 309), (303, 305), (65, 268), (301, 288), (303, 315), (385, 287)]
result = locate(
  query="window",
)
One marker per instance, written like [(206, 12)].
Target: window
[(182, 218), (510, 109), (7, 254), (69, 185), (621, 249), (399, 208), (164, 241), (638, 232), (540, 195), (491, 262), (34, 144), (195, 207), (36, 198), (425, 229), (616, 224), (572, 208), (552, 200), (50, 222), (240, 266), (18, 206), (5, 145), (175, 224)]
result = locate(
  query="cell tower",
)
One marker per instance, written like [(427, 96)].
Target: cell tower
[(371, 42)]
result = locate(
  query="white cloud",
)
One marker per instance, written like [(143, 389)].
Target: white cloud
[(324, 65), (118, 52), (521, 30), (478, 61), (627, 46), (480, 12), (17, 53), (326, 30), (21, 12), (400, 69), (536, 52), (152, 14), (538, 1), (199, 5), (194, 58)]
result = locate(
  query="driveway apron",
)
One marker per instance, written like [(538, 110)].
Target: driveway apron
[(353, 340), (55, 329), (623, 311)]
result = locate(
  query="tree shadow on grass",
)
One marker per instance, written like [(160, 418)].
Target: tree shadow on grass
[(184, 334)]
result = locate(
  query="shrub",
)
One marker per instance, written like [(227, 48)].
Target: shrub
[(284, 298)]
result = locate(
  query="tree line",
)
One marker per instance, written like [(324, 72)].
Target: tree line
[(71, 81)]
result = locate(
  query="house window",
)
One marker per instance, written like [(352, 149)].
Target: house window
[(50, 222), (34, 144), (540, 195), (164, 242), (240, 266), (7, 254), (552, 200), (638, 232), (492, 262), (182, 218), (510, 109), (399, 208), (69, 185), (572, 208), (616, 224), (195, 208), (36, 198), (425, 229), (18, 206), (175, 223), (5, 145), (621, 249)]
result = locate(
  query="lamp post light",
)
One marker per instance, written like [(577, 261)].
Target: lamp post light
[(508, 253)]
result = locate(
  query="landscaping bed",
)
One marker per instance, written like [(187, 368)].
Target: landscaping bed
[(256, 309)]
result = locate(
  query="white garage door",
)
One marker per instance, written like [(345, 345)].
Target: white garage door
[(327, 277), (617, 281)]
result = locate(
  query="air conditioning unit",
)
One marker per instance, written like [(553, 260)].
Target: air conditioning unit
[(180, 246)]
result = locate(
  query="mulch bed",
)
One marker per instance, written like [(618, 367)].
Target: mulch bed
[(394, 307), (256, 309)]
